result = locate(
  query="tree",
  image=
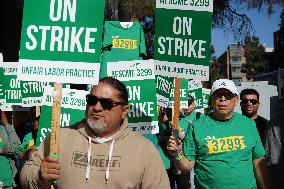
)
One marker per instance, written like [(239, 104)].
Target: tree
[(227, 14), (214, 67), (256, 61)]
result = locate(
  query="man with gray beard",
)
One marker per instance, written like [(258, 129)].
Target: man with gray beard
[(101, 151)]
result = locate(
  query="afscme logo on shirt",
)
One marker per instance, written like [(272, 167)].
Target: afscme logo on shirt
[(98, 162)]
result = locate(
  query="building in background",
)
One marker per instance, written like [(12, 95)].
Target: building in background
[(231, 62), (269, 52), (278, 38)]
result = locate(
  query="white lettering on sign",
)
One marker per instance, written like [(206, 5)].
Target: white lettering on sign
[(182, 93), (163, 84), (13, 94), (61, 39), (65, 120), (182, 47), (68, 9), (14, 83), (133, 92), (182, 25), (44, 132), (198, 102), (33, 87), (141, 109)]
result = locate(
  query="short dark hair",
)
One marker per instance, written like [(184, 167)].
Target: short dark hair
[(249, 92), (118, 85)]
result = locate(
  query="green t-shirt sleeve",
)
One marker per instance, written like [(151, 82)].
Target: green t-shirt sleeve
[(258, 149), (107, 36), (189, 144)]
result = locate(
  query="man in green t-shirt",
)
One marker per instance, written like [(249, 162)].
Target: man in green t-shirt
[(223, 147)]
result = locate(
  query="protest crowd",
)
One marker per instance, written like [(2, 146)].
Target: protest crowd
[(92, 103)]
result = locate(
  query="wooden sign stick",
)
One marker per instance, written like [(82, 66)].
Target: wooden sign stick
[(37, 111), (55, 122), (176, 109)]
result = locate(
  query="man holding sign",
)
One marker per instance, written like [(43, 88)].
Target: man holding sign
[(100, 151), (223, 147)]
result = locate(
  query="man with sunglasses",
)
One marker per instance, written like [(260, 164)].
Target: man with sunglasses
[(223, 147), (101, 151), (249, 106)]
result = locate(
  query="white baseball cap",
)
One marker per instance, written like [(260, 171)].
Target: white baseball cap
[(224, 84)]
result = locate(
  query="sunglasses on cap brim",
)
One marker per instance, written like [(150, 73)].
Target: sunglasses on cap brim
[(105, 102)]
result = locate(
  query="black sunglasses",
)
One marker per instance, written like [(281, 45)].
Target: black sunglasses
[(252, 101), (105, 103), (228, 96)]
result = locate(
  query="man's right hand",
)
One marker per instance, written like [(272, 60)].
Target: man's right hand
[(49, 169), (172, 148)]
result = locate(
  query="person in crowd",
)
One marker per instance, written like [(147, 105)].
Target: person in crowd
[(178, 179), (101, 151), (249, 106), (274, 145), (223, 147), (9, 144), (29, 139), (27, 148), (22, 123)]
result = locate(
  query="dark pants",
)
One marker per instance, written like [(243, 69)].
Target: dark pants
[(182, 181)]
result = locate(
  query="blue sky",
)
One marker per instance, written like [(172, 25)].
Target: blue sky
[(264, 28)]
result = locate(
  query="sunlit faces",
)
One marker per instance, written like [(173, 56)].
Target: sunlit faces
[(106, 121), (223, 103), (249, 105)]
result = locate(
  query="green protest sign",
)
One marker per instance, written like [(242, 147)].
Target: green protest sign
[(143, 115), (183, 38), (164, 87), (32, 92), (205, 97), (195, 90), (139, 78), (61, 41), (183, 94), (73, 106), (11, 85), (2, 95)]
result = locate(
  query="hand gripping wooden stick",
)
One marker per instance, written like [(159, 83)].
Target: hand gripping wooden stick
[(55, 122)]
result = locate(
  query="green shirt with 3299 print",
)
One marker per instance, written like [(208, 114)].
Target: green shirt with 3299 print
[(223, 152)]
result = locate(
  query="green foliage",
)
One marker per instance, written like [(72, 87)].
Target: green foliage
[(227, 14), (214, 68), (255, 55), (214, 71)]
